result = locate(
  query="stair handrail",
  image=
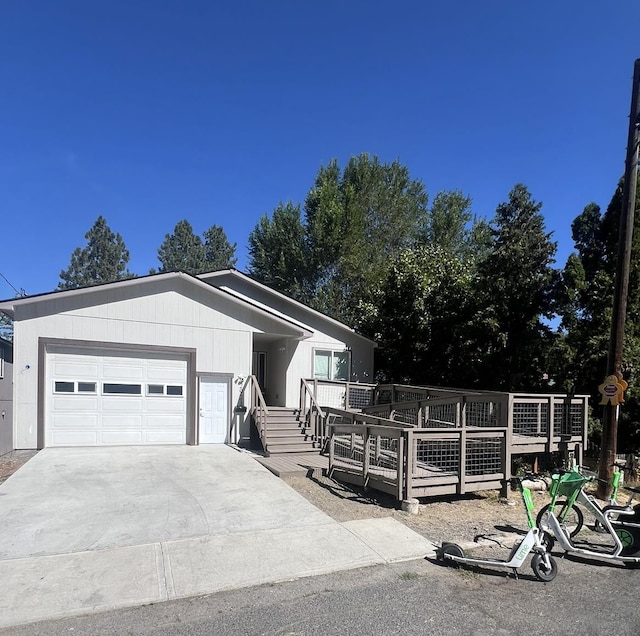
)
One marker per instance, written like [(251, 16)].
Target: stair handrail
[(259, 410), (316, 417)]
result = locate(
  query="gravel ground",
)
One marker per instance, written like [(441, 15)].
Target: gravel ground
[(459, 519), (10, 462)]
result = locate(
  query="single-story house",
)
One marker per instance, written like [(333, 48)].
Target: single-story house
[(6, 396), (163, 359)]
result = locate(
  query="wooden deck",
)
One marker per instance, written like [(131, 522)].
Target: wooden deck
[(295, 464)]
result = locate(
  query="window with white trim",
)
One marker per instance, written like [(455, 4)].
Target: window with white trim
[(68, 386), (1, 363), (172, 390), (331, 365), (120, 388)]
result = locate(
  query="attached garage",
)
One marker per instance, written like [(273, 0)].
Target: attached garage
[(101, 397)]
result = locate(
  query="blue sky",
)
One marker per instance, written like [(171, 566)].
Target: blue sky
[(151, 111)]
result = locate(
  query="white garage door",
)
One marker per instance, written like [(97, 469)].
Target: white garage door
[(98, 397)]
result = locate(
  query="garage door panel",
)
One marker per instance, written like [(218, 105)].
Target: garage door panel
[(75, 369), (162, 421), (88, 421), (121, 437), (75, 404), (122, 405), (166, 405), (124, 421), (122, 372), (164, 437), (133, 398), (74, 438)]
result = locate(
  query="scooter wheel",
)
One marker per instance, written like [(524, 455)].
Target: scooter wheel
[(573, 519), (542, 572), (451, 549)]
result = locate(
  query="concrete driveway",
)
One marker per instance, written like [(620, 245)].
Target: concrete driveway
[(90, 529)]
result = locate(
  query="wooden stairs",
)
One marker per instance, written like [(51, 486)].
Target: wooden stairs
[(287, 432)]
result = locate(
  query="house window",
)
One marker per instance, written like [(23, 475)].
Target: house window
[(331, 365), (86, 387), (155, 389), (174, 389)]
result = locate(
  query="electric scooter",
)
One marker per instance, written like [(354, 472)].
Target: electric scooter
[(537, 541), (620, 523)]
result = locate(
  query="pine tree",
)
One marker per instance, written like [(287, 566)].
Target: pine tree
[(185, 251), (103, 260), (514, 292), (218, 252)]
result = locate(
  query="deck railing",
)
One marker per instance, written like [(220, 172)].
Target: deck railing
[(315, 417), (341, 395), (407, 461), (259, 410)]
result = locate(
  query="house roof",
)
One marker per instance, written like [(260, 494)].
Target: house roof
[(211, 276), (303, 331)]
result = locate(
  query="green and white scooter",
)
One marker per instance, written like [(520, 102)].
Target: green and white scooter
[(537, 541)]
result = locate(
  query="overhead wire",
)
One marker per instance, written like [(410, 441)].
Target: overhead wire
[(19, 292)]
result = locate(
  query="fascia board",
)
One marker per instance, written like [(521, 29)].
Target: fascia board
[(8, 306), (241, 275)]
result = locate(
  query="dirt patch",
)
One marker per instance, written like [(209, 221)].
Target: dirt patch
[(461, 519), (10, 462)]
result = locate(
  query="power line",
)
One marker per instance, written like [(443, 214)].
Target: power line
[(19, 292)]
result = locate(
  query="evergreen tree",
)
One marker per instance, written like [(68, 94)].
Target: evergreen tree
[(218, 252), (277, 252), (184, 251), (103, 260), (6, 327), (586, 309), (515, 291)]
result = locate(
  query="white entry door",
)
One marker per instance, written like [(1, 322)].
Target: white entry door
[(214, 410)]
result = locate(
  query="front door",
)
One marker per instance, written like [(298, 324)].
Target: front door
[(214, 410), (260, 369)]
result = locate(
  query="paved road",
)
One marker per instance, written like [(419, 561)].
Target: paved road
[(417, 597)]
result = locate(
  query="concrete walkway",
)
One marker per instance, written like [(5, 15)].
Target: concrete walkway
[(91, 529)]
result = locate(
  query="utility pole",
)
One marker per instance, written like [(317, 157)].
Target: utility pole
[(625, 236)]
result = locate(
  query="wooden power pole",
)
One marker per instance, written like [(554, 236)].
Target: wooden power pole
[(625, 236)]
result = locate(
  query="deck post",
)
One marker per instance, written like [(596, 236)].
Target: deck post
[(331, 452), (585, 428), (399, 475), (508, 442), (365, 456), (463, 461), (550, 424), (506, 458), (409, 452)]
